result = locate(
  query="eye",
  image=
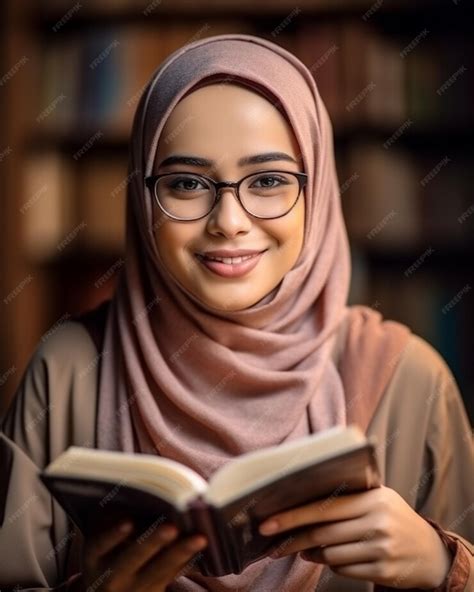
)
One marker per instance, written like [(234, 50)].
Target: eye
[(187, 184), (269, 181)]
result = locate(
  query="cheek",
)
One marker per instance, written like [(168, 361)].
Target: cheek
[(173, 241), (288, 231), (168, 241), (296, 228)]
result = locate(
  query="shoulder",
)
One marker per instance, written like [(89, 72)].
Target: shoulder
[(423, 390), (81, 334), (64, 354), (55, 402), (75, 343), (422, 418), (421, 379), (65, 344), (422, 364)]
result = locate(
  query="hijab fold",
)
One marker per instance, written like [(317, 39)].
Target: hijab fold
[(203, 385)]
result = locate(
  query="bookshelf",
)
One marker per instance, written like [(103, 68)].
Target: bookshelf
[(396, 80)]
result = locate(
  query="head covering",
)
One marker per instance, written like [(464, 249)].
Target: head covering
[(201, 385)]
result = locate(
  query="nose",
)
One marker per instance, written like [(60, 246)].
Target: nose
[(228, 217)]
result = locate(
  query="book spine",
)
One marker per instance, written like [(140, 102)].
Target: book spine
[(372, 472), (216, 558)]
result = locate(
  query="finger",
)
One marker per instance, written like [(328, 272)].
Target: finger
[(347, 554), (103, 542), (170, 561), (344, 531), (372, 571), (142, 549), (334, 509)]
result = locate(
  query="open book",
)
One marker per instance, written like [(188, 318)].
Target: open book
[(92, 483)]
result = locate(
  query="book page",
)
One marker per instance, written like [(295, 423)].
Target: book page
[(258, 467), (163, 476)]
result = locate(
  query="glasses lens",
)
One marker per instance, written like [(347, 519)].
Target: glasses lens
[(184, 196), (269, 194), (266, 194)]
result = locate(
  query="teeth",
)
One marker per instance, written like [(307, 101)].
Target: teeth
[(230, 260)]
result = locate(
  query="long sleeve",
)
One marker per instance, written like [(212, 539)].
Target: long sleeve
[(427, 455), (29, 558), (448, 500), (49, 412), (445, 490)]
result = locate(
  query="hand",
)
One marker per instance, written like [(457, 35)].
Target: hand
[(143, 564), (373, 535)]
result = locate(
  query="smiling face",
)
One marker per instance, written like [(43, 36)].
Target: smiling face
[(219, 125)]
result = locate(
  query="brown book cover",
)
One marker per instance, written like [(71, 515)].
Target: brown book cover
[(230, 507), (319, 47)]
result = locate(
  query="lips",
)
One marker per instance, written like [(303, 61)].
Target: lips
[(231, 267)]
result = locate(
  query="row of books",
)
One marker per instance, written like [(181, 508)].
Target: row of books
[(393, 199), (367, 76), (67, 206), (92, 79)]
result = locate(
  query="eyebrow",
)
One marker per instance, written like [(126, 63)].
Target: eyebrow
[(204, 162)]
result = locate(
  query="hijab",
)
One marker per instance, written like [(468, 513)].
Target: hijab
[(202, 385)]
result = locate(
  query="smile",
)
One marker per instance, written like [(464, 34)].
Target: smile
[(230, 267)]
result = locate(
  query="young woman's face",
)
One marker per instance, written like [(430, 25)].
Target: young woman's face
[(223, 123)]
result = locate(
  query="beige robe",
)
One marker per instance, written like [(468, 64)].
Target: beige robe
[(425, 453)]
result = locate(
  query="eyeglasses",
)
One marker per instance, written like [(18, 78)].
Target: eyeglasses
[(264, 194)]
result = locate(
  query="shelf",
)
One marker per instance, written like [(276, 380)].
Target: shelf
[(413, 137), (81, 256), (149, 12), (458, 138), (444, 256)]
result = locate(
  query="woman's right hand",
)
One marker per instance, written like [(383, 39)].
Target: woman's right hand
[(142, 564)]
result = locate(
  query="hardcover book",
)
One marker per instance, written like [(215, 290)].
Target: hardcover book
[(91, 484)]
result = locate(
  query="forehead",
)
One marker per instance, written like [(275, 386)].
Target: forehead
[(226, 117)]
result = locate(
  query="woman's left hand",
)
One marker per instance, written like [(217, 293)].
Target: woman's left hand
[(373, 535)]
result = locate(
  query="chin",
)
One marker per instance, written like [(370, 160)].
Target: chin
[(227, 304)]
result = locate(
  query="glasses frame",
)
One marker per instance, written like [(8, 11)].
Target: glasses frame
[(151, 180)]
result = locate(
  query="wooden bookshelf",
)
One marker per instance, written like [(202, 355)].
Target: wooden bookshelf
[(378, 68)]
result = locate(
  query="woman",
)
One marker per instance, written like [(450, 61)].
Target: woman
[(204, 356)]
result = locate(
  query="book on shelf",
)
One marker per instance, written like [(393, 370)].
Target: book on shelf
[(47, 210), (381, 206), (372, 75), (317, 47), (446, 200), (102, 188), (91, 483)]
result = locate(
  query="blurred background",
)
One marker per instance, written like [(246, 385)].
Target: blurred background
[(397, 80)]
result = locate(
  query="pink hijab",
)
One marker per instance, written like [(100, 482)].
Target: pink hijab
[(202, 386)]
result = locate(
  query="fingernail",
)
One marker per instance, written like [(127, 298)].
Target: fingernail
[(269, 527), (125, 527), (168, 533), (197, 544)]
